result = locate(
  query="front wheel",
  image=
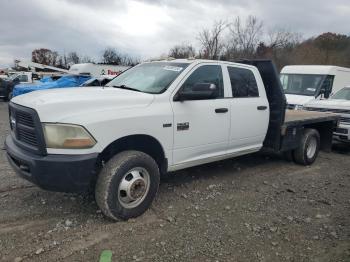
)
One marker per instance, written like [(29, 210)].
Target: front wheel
[(308, 148), (127, 185)]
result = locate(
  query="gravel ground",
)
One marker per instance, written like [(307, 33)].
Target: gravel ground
[(253, 208)]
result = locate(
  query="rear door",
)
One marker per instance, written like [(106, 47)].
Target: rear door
[(249, 108), (201, 127)]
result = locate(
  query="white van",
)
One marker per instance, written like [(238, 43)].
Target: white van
[(96, 70), (303, 83)]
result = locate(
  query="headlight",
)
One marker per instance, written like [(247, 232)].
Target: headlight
[(67, 136)]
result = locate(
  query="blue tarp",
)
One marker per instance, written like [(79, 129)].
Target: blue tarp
[(64, 81), (46, 79)]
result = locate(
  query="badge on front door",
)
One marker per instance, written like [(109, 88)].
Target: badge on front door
[(183, 126)]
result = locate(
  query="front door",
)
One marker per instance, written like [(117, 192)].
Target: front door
[(201, 127)]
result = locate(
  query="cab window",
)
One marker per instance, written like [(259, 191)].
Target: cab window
[(206, 74), (243, 82)]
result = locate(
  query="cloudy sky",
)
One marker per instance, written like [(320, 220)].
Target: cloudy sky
[(147, 28)]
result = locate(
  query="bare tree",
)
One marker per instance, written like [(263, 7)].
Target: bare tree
[(212, 45), (282, 38), (86, 59), (182, 51), (73, 58), (279, 47), (128, 60), (244, 37), (45, 56), (111, 56)]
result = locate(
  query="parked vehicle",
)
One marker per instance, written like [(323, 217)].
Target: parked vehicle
[(338, 103), (96, 70), (304, 83), (7, 85), (98, 81), (62, 82), (155, 118)]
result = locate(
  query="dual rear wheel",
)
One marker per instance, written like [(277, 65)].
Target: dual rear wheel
[(307, 151)]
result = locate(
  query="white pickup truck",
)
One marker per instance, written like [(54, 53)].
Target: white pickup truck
[(155, 118), (338, 103)]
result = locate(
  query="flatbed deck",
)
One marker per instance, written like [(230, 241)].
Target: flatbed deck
[(295, 121), (294, 117)]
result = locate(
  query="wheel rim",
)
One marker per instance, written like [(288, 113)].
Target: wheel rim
[(133, 187), (311, 148)]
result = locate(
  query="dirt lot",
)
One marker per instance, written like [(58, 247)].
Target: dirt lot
[(253, 208)]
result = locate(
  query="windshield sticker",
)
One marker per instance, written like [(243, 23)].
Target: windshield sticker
[(173, 68), (311, 89)]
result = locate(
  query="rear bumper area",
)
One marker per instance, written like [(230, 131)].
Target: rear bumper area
[(62, 173)]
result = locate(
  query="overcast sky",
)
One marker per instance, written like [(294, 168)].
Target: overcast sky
[(147, 28)]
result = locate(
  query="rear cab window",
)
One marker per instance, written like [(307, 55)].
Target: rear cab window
[(243, 82)]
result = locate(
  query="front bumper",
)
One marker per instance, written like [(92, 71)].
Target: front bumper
[(62, 173)]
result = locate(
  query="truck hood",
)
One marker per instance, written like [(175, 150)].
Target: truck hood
[(298, 99), (60, 104), (330, 103)]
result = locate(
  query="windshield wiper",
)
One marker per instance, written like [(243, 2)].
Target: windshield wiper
[(127, 88)]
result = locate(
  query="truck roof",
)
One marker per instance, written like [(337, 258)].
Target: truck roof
[(198, 61), (313, 69)]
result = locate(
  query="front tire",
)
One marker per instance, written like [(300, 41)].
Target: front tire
[(127, 185), (309, 147)]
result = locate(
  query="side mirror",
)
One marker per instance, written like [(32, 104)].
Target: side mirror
[(200, 91), (326, 92)]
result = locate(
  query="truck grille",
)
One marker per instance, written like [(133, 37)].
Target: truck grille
[(338, 111), (345, 120), (25, 119), (345, 114), (28, 137), (26, 129)]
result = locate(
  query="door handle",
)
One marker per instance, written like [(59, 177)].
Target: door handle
[(221, 110), (262, 107)]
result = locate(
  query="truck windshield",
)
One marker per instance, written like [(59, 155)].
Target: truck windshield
[(343, 94), (152, 78), (298, 84)]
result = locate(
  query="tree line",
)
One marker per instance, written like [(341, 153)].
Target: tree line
[(109, 56), (232, 40), (249, 39)]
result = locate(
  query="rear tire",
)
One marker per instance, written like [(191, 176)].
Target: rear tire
[(309, 147), (127, 185)]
